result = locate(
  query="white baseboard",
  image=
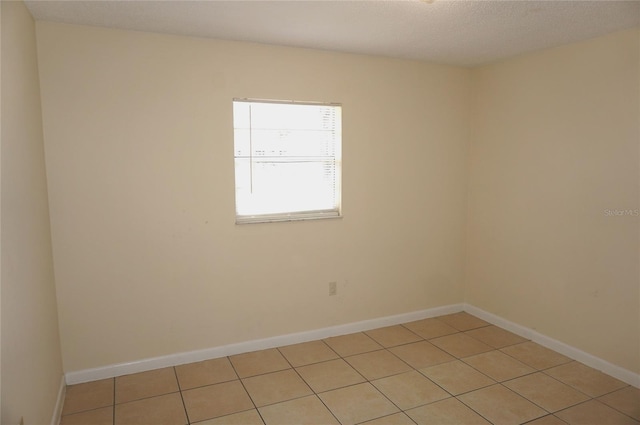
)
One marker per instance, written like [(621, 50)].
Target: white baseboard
[(617, 372), (57, 411), (111, 371), (143, 365)]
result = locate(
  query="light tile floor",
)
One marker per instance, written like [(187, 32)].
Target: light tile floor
[(454, 369)]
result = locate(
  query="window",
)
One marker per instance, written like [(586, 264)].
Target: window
[(287, 160)]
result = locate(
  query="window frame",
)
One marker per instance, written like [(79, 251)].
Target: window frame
[(337, 169)]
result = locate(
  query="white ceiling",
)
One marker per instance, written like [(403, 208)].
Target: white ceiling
[(459, 32)]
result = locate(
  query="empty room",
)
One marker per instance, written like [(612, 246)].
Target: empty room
[(320, 212)]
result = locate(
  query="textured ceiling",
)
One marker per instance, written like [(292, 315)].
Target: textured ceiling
[(459, 32)]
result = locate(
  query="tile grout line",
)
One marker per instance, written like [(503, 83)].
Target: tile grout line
[(577, 389), (536, 370), (245, 389), (366, 381), (497, 382), (456, 358), (458, 331), (501, 349), (206, 385), (542, 417), (184, 405), (352, 385), (400, 410), (114, 402), (307, 384), (146, 397), (456, 396), (564, 383), (598, 401), (386, 416)]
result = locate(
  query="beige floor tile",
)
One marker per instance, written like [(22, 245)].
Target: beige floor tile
[(306, 410), (626, 400), (162, 410), (102, 416), (308, 353), (495, 336), (535, 355), (463, 321), (497, 365), (583, 378), (395, 419), (533, 378), (377, 364), (410, 389), (357, 403), (430, 328), (259, 362), (391, 336), (351, 344), (501, 406), (594, 413), (421, 354), (546, 392), (547, 420), (216, 400), (276, 387), (145, 384), (248, 417), (329, 375), (460, 345), (457, 377), (87, 396), (446, 412), (204, 373)]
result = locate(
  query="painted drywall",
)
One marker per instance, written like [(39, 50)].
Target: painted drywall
[(0, 213), (553, 198), (139, 151), (31, 357)]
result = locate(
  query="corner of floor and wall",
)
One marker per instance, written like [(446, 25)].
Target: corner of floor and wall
[(553, 236), (510, 191)]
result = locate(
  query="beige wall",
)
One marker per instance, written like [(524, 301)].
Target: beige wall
[(555, 151), (149, 261), (139, 150), (31, 360)]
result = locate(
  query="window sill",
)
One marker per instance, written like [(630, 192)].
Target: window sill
[(276, 218)]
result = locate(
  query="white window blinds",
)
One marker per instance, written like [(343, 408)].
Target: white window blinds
[(287, 160)]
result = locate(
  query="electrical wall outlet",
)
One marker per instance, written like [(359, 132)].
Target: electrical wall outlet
[(333, 288)]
